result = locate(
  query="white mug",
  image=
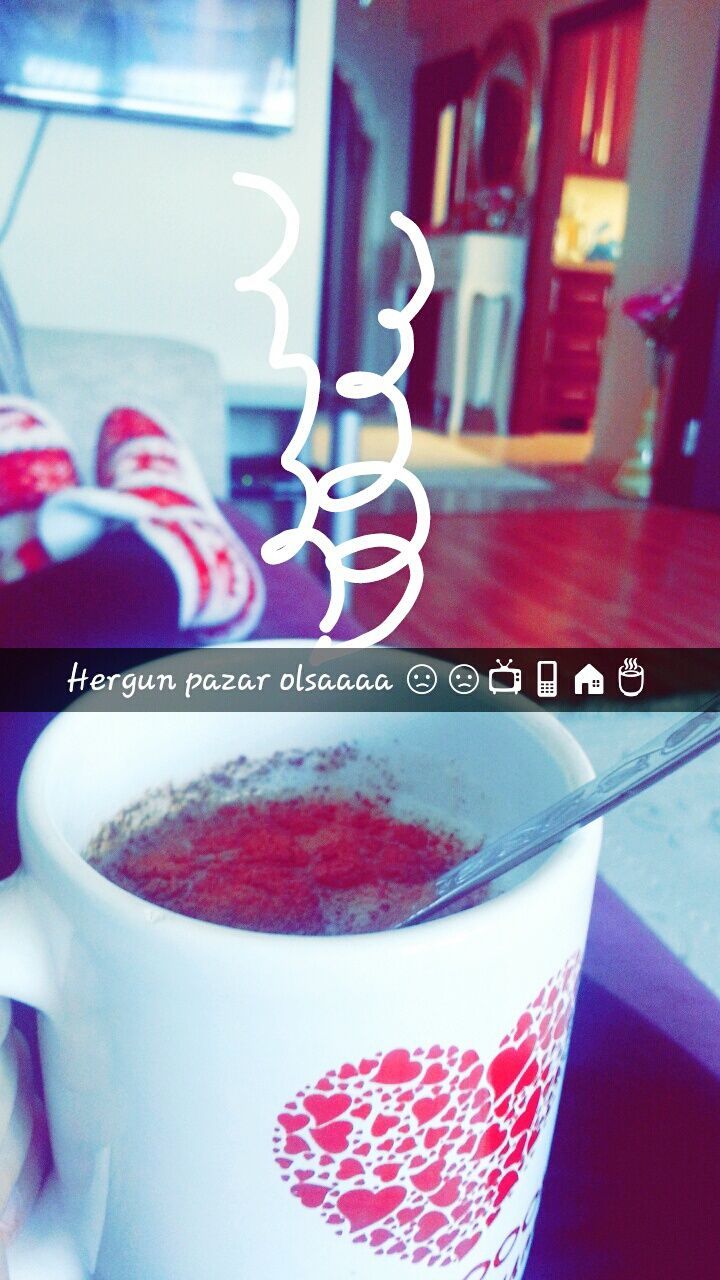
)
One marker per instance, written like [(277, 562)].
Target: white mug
[(231, 1104)]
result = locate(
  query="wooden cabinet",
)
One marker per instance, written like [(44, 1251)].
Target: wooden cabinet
[(576, 323), (603, 98)]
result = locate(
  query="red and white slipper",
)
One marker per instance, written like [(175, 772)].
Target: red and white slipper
[(147, 478), (35, 462)]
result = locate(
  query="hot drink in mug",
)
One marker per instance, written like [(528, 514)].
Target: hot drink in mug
[(229, 1101)]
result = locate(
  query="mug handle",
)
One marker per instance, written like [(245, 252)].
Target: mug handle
[(25, 962), (27, 975)]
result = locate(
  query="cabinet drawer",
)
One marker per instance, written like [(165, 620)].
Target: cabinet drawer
[(570, 397), (580, 294), (571, 345)]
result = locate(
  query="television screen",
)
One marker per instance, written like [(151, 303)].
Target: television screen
[(225, 62)]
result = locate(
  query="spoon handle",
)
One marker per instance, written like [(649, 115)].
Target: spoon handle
[(644, 767)]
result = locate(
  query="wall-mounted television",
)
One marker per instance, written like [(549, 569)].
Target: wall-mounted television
[(214, 62)]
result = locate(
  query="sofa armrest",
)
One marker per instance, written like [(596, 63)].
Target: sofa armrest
[(82, 376)]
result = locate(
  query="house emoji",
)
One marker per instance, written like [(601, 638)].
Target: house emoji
[(589, 680)]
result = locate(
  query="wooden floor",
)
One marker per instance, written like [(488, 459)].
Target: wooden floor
[(614, 577)]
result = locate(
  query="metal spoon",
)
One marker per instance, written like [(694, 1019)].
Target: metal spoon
[(685, 740)]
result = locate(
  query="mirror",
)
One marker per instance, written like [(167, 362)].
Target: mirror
[(505, 113)]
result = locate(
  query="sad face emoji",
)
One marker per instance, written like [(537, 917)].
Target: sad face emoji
[(421, 678)]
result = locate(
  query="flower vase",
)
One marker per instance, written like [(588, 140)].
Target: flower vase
[(634, 478)]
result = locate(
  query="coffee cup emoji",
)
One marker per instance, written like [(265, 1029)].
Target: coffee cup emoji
[(631, 678)]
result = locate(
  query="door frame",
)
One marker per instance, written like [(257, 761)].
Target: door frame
[(539, 249), (591, 14), (343, 302)]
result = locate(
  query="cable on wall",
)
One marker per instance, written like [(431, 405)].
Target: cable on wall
[(21, 184)]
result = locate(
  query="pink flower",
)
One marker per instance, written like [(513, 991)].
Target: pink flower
[(656, 313)]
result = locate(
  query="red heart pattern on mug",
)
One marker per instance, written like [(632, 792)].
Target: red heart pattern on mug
[(413, 1152)]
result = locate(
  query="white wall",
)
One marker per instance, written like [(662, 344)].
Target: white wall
[(376, 55), (673, 104), (138, 228)]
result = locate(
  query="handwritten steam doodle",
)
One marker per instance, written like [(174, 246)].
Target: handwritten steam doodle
[(381, 475)]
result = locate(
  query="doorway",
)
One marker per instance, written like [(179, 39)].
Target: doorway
[(580, 213)]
